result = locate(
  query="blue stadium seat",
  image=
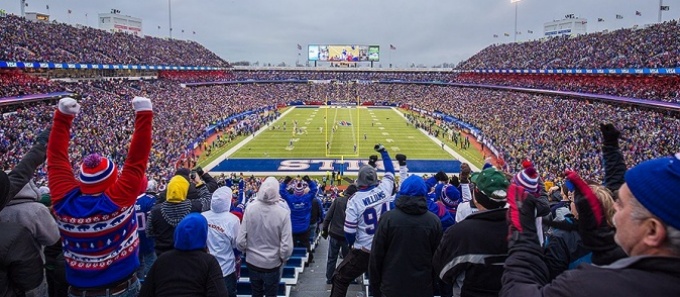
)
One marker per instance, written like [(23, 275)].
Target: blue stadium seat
[(300, 252), (243, 289), (289, 275)]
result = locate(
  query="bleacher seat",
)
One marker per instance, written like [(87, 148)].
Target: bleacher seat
[(243, 289), (289, 275)]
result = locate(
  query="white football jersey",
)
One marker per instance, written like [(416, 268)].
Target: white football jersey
[(364, 209)]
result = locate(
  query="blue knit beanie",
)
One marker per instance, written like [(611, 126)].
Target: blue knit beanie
[(656, 184), (191, 233)]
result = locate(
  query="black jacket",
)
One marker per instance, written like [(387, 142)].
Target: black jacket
[(165, 216), (184, 273), (607, 250), (334, 223), (317, 212), (402, 250), (635, 276), (21, 268), (476, 246)]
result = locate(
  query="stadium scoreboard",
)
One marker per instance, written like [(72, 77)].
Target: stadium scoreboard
[(343, 53)]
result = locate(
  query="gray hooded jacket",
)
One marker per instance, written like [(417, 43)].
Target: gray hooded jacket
[(25, 210), (266, 233)]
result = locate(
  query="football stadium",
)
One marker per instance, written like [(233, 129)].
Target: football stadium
[(146, 157)]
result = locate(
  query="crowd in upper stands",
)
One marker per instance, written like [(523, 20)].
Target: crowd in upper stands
[(656, 87), (29, 41), (653, 46)]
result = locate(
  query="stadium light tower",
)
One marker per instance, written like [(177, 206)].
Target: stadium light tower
[(170, 17), (516, 2), (23, 4)]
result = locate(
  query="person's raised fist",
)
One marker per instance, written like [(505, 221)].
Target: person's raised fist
[(142, 104), (402, 159), (69, 106), (379, 148)]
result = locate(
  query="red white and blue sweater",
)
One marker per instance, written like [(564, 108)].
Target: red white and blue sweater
[(99, 232)]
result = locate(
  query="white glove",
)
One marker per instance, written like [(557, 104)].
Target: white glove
[(142, 104), (69, 106)]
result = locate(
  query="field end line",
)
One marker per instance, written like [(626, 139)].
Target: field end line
[(243, 142), (438, 142)]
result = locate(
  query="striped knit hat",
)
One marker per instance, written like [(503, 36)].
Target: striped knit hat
[(299, 188), (97, 174), (528, 178)]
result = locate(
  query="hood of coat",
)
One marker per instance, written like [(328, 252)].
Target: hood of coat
[(221, 200), (29, 193), (191, 233), (411, 196), (269, 191)]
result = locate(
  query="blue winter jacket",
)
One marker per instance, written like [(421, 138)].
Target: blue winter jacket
[(300, 207)]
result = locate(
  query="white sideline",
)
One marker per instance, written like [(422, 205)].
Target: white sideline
[(446, 147), (238, 146)]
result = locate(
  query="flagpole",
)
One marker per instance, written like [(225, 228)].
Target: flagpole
[(660, 4), (391, 56)]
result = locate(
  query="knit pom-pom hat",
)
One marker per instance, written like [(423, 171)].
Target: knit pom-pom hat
[(97, 174), (527, 178)]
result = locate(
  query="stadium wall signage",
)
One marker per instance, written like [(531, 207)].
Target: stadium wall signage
[(585, 71), (324, 165), (50, 65)]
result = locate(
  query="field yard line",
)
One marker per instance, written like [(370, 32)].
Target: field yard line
[(238, 146), (446, 147), (330, 139), (354, 139)]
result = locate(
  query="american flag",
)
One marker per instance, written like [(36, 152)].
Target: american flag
[(299, 47), (637, 12), (392, 47)]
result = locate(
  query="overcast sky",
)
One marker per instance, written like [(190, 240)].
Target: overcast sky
[(423, 31)]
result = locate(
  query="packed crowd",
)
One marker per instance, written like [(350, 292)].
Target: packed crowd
[(551, 131), (181, 121), (24, 40), (653, 46), (16, 83), (195, 76), (554, 132), (342, 75), (662, 88)]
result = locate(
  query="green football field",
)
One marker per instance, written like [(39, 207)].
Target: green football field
[(340, 132)]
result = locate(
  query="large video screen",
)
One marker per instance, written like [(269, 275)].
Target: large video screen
[(344, 53)]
